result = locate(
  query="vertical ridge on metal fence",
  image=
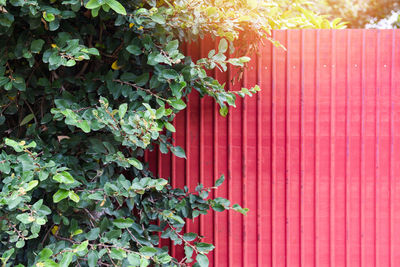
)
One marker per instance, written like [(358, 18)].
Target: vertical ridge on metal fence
[(314, 156)]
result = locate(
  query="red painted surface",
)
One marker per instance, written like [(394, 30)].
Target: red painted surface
[(315, 155)]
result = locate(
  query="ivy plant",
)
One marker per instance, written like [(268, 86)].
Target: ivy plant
[(86, 87)]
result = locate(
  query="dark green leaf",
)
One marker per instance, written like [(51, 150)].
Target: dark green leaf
[(36, 45), (123, 223), (169, 74), (178, 151), (204, 247), (190, 236), (220, 181), (142, 79), (133, 49)]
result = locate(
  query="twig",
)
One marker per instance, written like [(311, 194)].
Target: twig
[(46, 235), (30, 108), (140, 88)]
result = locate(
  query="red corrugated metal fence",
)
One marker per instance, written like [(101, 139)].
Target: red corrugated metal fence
[(315, 155)]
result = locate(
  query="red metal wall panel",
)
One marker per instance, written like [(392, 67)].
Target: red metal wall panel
[(314, 156)]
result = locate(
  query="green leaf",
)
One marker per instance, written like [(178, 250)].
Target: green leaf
[(160, 112), (239, 209), (117, 254), (77, 232), (32, 184), (178, 104), (4, 80), (178, 151), (134, 259), (161, 183), (19, 83), (220, 181), (7, 254), (158, 18), (122, 110), (95, 11), (64, 178), (49, 17), (66, 259), (169, 74), (223, 46), (142, 79), (5, 167), (135, 163), (6, 19), (223, 111), (204, 247), (123, 223), (148, 251), (176, 88), (70, 63), (169, 127), (15, 145), (60, 195), (25, 218), (202, 260), (134, 50), (8, 86), (45, 253), (190, 236), (172, 46), (144, 262), (73, 196), (96, 196), (93, 234), (188, 252), (116, 6), (27, 119), (36, 45), (92, 4), (27, 162), (84, 125), (20, 244), (93, 257), (82, 246)]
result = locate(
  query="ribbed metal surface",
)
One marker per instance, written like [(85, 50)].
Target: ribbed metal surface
[(315, 155)]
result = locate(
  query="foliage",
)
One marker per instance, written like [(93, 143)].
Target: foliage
[(86, 88), (358, 13)]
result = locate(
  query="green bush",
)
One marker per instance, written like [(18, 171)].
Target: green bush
[(86, 88)]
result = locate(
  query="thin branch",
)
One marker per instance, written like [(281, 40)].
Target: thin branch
[(141, 89)]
